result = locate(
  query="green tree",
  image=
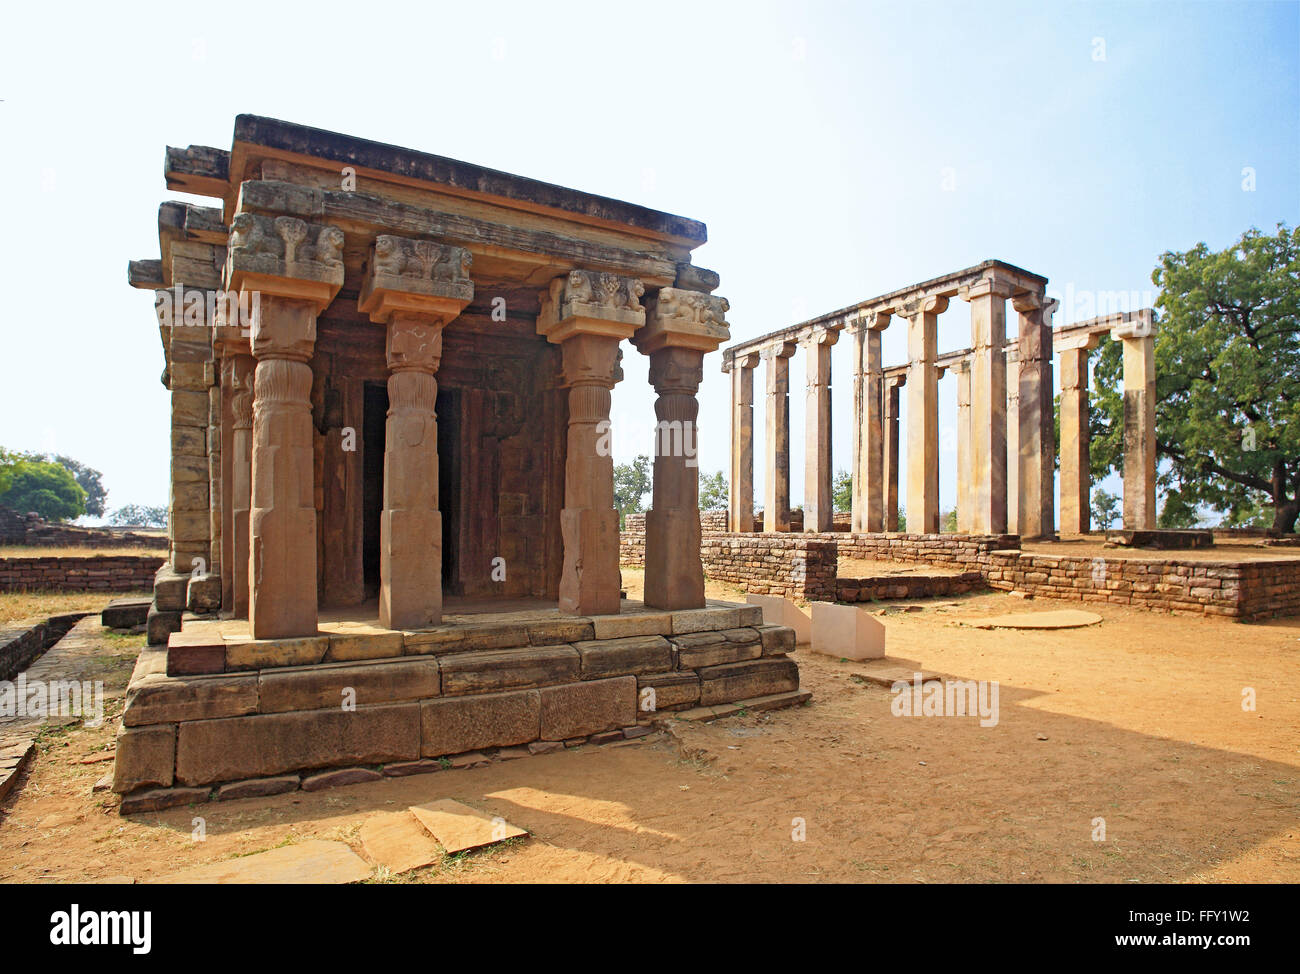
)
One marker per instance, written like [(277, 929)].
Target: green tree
[(90, 480), (842, 491), (1227, 354), (714, 493), (141, 514), (47, 488), (902, 519), (1105, 508), (949, 521), (631, 484)]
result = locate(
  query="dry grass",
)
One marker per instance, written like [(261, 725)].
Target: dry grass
[(74, 551), (38, 606)]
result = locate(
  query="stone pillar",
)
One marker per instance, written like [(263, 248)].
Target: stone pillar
[(776, 480), (819, 503), (1011, 359), (1034, 456), (891, 465), (681, 327), (868, 427), (962, 369), (414, 287), (289, 271), (988, 393), (241, 480), (923, 414), (1076, 467), (588, 313), (189, 529), (740, 516), (1138, 336)]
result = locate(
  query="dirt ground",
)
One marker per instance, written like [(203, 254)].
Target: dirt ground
[(1138, 721), (1089, 547), (17, 608)]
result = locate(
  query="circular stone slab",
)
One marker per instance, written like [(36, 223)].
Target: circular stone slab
[(1059, 619)]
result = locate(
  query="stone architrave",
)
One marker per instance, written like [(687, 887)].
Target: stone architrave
[(1034, 457), (962, 369), (740, 516), (988, 393), (891, 465), (776, 479), (1076, 475), (414, 287), (819, 504), (1138, 337), (681, 327), (923, 414), (588, 313), (288, 270)]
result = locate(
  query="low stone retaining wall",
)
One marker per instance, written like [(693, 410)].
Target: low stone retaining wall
[(445, 700), (107, 573), (21, 645), (906, 586)]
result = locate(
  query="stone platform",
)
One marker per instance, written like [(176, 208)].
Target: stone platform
[(218, 709)]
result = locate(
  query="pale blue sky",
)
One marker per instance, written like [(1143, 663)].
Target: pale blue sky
[(817, 141)]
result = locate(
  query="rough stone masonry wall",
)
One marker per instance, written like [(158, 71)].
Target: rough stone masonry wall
[(106, 573)]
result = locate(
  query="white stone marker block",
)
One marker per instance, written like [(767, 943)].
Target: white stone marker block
[(846, 631), (780, 611)]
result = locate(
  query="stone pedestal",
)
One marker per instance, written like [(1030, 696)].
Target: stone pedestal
[(414, 287), (588, 313), (681, 326), (776, 480), (923, 415), (988, 315), (819, 505), (1076, 476), (740, 517)]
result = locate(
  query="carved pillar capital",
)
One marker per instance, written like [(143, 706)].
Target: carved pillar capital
[(586, 302), (778, 350), (285, 257), (989, 286), (683, 319), (415, 278)]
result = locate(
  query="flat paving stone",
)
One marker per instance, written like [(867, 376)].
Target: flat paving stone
[(458, 827), (1058, 619), (397, 841), (313, 861)]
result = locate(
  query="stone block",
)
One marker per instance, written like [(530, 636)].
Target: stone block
[(258, 787), (146, 756), (324, 687), (504, 669), (713, 649), (195, 653), (667, 691), (706, 620), (125, 613), (741, 681), (465, 639), (160, 624), (264, 745), (203, 594), (559, 631), (452, 725), (340, 776), (620, 657), (847, 632), (245, 653), (777, 640), (576, 710), (174, 700), (633, 624), (351, 645), (158, 799), (779, 611)]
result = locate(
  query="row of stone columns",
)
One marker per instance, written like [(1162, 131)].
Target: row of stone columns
[(415, 288)]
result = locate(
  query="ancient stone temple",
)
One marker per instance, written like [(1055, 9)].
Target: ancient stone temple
[(391, 377)]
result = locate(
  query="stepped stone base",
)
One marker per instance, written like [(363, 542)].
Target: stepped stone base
[(216, 707)]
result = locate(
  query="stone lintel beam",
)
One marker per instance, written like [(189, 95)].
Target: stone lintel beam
[(414, 287), (681, 327), (818, 486), (776, 480)]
